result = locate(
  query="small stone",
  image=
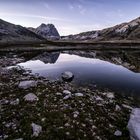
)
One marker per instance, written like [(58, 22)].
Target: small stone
[(117, 108), (66, 92), (75, 114), (30, 97), (59, 94), (79, 94), (19, 139), (67, 124), (67, 133), (67, 97), (110, 95), (127, 106), (14, 102), (99, 98), (94, 127), (118, 133), (37, 129), (43, 119)]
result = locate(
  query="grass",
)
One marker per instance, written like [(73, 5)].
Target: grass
[(97, 119)]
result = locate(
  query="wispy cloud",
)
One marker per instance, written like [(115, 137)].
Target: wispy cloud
[(35, 16), (81, 9), (47, 6), (71, 7)]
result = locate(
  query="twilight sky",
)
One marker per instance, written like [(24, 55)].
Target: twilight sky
[(69, 16)]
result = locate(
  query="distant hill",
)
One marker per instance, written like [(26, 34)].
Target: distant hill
[(11, 32), (124, 31), (47, 31)]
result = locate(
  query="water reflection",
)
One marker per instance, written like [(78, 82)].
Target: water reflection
[(86, 71), (47, 57)]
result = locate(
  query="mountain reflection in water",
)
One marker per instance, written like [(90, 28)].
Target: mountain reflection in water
[(87, 71)]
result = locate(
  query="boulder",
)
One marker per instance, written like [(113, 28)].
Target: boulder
[(27, 84), (67, 76), (134, 124)]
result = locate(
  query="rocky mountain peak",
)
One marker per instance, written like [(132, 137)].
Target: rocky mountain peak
[(47, 31)]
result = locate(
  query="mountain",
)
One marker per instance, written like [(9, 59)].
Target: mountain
[(124, 31), (12, 32), (47, 31)]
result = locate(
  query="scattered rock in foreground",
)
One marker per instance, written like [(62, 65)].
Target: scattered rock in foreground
[(79, 94), (118, 133), (134, 124), (37, 129), (31, 97), (27, 84)]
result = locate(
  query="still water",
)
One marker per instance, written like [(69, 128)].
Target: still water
[(87, 71)]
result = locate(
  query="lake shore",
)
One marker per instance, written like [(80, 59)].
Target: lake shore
[(59, 109)]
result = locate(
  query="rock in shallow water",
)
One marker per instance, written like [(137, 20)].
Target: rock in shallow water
[(134, 124), (67, 76)]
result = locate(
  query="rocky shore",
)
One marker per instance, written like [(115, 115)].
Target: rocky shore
[(32, 107)]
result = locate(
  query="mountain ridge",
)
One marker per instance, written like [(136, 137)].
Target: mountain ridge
[(124, 31), (12, 32)]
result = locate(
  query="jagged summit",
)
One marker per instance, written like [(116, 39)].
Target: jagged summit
[(47, 31)]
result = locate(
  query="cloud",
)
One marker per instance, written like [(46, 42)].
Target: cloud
[(35, 16), (71, 7), (81, 9), (47, 6)]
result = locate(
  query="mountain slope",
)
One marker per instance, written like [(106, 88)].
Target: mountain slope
[(47, 31), (124, 31), (11, 32)]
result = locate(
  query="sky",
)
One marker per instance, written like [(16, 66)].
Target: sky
[(70, 16)]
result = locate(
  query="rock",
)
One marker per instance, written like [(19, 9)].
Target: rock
[(66, 92), (59, 94), (79, 94), (98, 98), (67, 97), (118, 133), (37, 129), (14, 102), (27, 84), (117, 108), (19, 139), (127, 106), (134, 124), (30, 97), (67, 76), (75, 114), (67, 125), (110, 95), (47, 31)]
